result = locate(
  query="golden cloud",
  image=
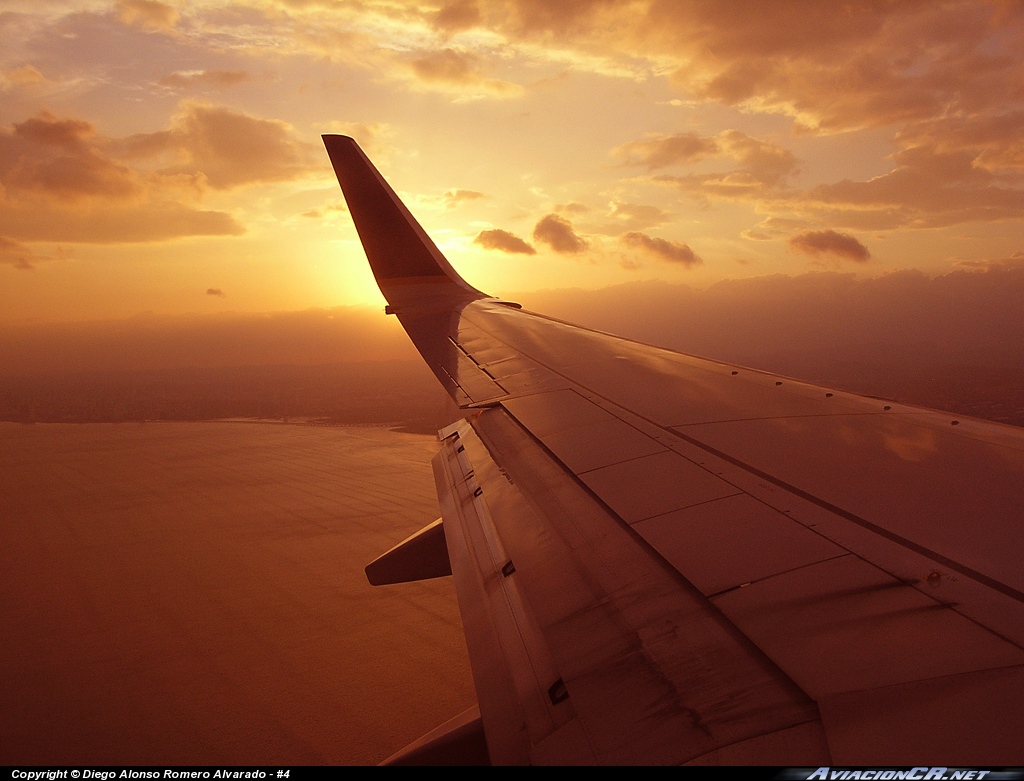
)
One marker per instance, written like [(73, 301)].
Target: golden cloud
[(950, 172), (503, 241), (660, 151), (1014, 261), (227, 148), (23, 76), (774, 227), (16, 254), (832, 67), (337, 207), (762, 167), (60, 183), (830, 242), (114, 224), (453, 198), (459, 72), (568, 17), (457, 16), (205, 79), (58, 159), (926, 189), (147, 14), (996, 142), (662, 249), (446, 65), (636, 215), (572, 208), (373, 137), (557, 232)]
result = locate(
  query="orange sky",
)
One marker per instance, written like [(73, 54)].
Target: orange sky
[(165, 156)]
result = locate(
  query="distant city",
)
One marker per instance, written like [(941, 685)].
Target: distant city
[(399, 394), (954, 342), (404, 394)]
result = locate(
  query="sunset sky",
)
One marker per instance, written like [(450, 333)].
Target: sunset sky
[(165, 156)]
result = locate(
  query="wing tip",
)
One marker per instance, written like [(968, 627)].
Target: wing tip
[(402, 256)]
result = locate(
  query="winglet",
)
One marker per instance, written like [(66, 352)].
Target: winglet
[(401, 254)]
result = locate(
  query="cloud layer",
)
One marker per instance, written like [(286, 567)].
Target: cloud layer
[(226, 148), (61, 182)]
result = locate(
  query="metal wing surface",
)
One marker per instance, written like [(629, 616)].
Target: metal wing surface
[(665, 559)]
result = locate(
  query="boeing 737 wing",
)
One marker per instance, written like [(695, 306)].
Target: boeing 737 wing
[(665, 559)]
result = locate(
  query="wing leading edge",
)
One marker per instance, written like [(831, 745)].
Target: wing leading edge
[(664, 559)]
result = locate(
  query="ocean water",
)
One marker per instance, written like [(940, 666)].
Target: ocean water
[(193, 593)]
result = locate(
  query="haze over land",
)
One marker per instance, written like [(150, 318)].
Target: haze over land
[(953, 342)]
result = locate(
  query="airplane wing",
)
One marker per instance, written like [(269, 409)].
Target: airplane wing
[(661, 559)]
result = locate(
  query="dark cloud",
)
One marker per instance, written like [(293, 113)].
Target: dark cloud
[(829, 242), (662, 249), (503, 241), (215, 291), (557, 233)]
